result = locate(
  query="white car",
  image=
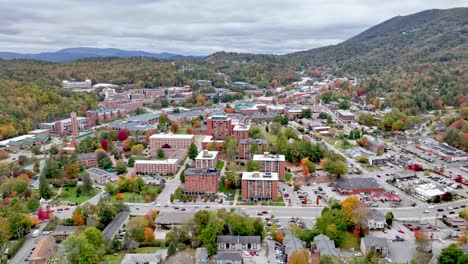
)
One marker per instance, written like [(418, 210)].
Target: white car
[(358, 254), (426, 211), (430, 206)]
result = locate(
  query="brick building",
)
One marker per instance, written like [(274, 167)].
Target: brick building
[(206, 159), (88, 160), (241, 131), (357, 185), (201, 181), (99, 176), (259, 186), (162, 167), (246, 146), (218, 126), (272, 163), (105, 114), (64, 126), (170, 141), (42, 254)]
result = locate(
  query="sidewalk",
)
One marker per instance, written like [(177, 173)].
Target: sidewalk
[(236, 196)]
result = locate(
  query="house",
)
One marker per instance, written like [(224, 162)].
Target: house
[(201, 256), (154, 258), (378, 160), (375, 220), (400, 140), (379, 244), (229, 258), (405, 175), (324, 246), (115, 225), (238, 242), (43, 251), (291, 243)]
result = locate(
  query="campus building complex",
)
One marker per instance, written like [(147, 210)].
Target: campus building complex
[(201, 181), (259, 186), (272, 163)]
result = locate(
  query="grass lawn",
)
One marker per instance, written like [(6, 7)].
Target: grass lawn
[(139, 157), (235, 168), (269, 137), (133, 197), (288, 176), (225, 190), (338, 143), (220, 165), (278, 202), (69, 194), (117, 259), (143, 250), (350, 241)]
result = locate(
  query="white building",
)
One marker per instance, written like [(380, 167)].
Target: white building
[(77, 85)]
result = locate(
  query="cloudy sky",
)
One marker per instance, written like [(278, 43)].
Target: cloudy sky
[(195, 27)]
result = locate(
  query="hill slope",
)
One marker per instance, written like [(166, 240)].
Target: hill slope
[(84, 52), (431, 35)]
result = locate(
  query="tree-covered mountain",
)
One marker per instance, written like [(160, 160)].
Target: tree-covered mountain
[(427, 36), (71, 54)]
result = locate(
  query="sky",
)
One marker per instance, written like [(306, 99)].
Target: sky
[(195, 27)]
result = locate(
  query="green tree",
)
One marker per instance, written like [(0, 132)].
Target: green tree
[(160, 153), (111, 188), (305, 113), (253, 166), (36, 167), (451, 255), (32, 204), (105, 163), (80, 250), (120, 167), (389, 218), (44, 188), (131, 162), (87, 185), (172, 249), (363, 159), (136, 228), (137, 149), (230, 147), (193, 151), (94, 237), (275, 128), (337, 168), (106, 213)]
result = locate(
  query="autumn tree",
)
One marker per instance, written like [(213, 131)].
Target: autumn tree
[(36, 167), (78, 217), (298, 257), (280, 237), (137, 149), (105, 144), (122, 135), (119, 197), (354, 209), (422, 240), (149, 235), (175, 127)]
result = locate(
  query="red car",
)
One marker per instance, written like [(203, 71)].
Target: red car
[(252, 253), (401, 231), (264, 212)]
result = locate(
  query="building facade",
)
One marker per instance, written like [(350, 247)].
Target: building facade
[(201, 181), (206, 159), (218, 126), (162, 167), (272, 163), (171, 141), (258, 186), (248, 147)]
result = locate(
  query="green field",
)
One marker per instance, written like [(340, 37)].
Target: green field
[(225, 190), (69, 194), (114, 259), (143, 250)]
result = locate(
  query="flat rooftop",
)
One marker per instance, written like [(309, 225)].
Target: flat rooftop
[(97, 171), (357, 183), (241, 128), (207, 155), (201, 172), (166, 161), (176, 136), (260, 176), (269, 157)]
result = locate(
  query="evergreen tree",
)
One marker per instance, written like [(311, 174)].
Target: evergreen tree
[(193, 151)]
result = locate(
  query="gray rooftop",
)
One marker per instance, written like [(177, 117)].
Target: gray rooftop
[(143, 118), (238, 239), (201, 172), (142, 258), (371, 241), (325, 246), (168, 218), (224, 256), (201, 255), (356, 183), (60, 229), (113, 227), (291, 243), (376, 215)]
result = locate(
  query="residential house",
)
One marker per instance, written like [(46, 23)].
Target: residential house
[(291, 243), (379, 244), (154, 258), (62, 232), (324, 246), (238, 242), (375, 219)]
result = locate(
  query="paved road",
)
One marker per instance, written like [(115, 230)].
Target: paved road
[(23, 253)]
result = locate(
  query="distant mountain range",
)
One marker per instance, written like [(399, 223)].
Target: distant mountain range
[(71, 54)]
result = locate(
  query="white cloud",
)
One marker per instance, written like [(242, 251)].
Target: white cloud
[(195, 27)]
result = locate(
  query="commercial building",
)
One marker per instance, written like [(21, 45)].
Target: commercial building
[(170, 141), (87, 84), (206, 159), (43, 251), (201, 181), (272, 163), (357, 185), (238, 242), (249, 145), (259, 186), (427, 191), (99, 176), (345, 116), (378, 160)]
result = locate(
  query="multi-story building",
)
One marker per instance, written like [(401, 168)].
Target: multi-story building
[(88, 160), (206, 159), (128, 105), (172, 141), (219, 126), (241, 131), (64, 127), (258, 186), (201, 181), (87, 84), (272, 163), (99, 176), (248, 147), (345, 116), (162, 167)]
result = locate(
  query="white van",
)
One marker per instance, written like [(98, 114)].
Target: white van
[(35, 233)]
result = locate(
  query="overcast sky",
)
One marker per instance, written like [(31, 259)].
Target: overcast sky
[(195, 27)]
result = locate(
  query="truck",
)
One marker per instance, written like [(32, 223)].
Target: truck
[(36, 233)]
